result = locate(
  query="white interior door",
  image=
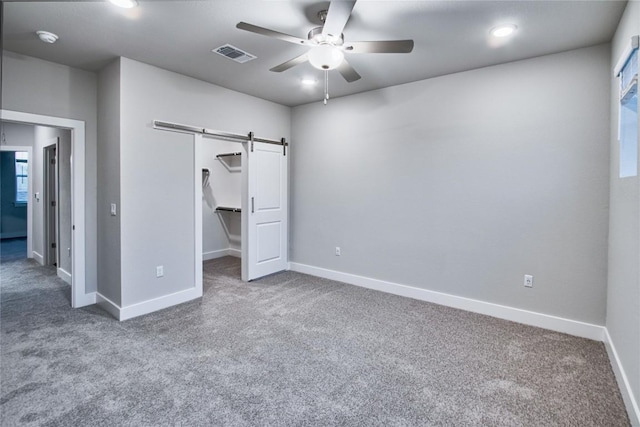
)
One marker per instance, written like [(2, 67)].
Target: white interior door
[(265, 211)]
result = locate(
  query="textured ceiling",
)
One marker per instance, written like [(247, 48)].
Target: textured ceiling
[(450, 36)]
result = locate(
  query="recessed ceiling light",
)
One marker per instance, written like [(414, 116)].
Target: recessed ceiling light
[(127, 4), (308, 82), (47, 37), (503, 30)]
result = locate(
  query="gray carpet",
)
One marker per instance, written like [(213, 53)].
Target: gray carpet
[(289, 349)]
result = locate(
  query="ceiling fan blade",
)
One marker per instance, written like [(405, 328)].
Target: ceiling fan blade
[(270, 33), (337, 17), (290, 63), (347, 71), (388, 46)]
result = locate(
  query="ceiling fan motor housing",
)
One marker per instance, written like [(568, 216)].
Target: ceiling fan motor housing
[(315, 35)]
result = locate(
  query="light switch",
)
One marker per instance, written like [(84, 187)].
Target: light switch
[(113, 209)]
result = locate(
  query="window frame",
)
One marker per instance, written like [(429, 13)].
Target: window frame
[(18, 176), (628, 148)]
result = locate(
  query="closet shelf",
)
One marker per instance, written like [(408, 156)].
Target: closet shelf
[(229, 154), (227, 209)]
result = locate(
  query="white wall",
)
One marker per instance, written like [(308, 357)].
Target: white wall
[(37, 174), (157, 170), (623, 297), (64, 199), (221, 231), (40, 87), (17, 134), (109, 250), (464, 183)]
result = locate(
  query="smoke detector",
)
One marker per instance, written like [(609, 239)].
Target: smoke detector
[(47, 37)]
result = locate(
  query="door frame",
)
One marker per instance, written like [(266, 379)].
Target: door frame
[(50, 190), (197, 199), (198, 140), (29, 150), (79, 296)]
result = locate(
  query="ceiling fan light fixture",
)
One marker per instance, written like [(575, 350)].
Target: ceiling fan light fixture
[(326, 57), (503, 30), (126, 4)]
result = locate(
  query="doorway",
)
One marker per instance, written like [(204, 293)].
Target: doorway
[(254, 203), (37, 193), (16, 217), (77, 236)]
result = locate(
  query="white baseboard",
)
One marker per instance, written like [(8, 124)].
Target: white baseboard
[(39, 258), (146, 307), (64, 275), (623, 382), (84, 300), (109, 306), (206, 256), (554, 323)]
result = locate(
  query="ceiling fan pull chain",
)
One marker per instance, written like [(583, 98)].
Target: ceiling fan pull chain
[(326, 87)]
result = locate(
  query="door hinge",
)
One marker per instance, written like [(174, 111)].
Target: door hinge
[(252, 205), (53, 203), (53, 161), (53, 246), (284, 146)]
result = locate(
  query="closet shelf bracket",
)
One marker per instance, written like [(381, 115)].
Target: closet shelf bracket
[(229, 154), (205, 176), (227, 209)]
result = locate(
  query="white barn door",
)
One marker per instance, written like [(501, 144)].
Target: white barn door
[(265, 235)]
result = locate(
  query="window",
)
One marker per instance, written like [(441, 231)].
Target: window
[(628, 112), (22, 176)]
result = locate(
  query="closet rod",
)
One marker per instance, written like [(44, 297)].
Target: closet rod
[(211, 132)]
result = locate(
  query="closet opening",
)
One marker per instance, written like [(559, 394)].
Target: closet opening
[(241, 198), (222, 163)]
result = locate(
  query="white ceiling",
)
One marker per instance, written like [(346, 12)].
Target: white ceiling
[(450, 36)]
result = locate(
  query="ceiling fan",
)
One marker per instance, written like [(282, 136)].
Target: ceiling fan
[(327, 44)]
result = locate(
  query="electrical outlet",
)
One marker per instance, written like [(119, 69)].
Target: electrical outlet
[(528, 281), (338, 251), (160, 271)]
